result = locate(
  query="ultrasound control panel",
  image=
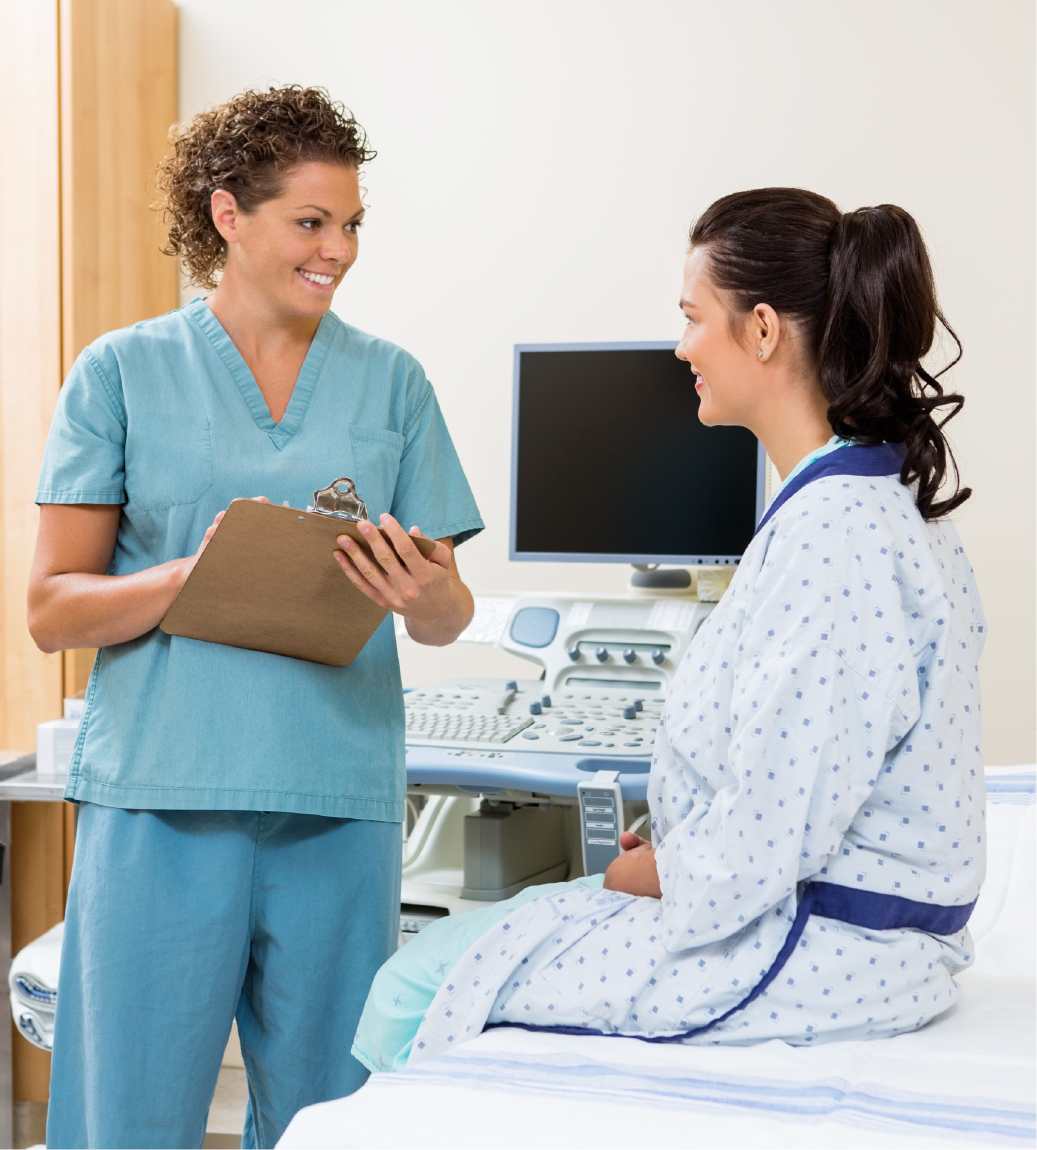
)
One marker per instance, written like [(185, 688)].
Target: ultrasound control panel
[(607, 665), (519, 714)]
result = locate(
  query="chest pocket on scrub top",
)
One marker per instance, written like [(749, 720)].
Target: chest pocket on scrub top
[(170, 468), (376, 454)]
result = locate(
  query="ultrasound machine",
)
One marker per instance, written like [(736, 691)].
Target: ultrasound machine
[(527, 781)]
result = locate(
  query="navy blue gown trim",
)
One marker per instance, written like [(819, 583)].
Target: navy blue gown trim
[(858, 459), (864, 908)]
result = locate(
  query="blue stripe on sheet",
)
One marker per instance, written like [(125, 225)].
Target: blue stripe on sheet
[(1017, 788), (831, 1098)]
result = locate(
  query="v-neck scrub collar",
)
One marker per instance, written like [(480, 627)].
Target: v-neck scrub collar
[(280, 433)]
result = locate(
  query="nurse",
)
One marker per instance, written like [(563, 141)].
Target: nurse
[(239, 847), (816, 789)]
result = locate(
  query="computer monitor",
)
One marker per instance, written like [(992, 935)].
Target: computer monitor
[(610, 463)]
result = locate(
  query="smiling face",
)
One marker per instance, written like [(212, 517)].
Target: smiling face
[(725, 370), (293, 250)]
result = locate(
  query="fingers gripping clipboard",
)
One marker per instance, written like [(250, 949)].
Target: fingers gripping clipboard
[(268, 581)]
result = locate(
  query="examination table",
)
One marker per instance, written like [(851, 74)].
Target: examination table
[(966, 1079)]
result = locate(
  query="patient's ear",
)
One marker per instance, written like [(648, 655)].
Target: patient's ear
[(764, 330)]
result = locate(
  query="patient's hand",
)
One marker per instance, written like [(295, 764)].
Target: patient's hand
[(634, 871)]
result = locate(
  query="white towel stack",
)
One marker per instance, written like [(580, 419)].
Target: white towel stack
[(33, 982)]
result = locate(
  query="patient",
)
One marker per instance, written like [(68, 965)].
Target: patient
[(816, 791)]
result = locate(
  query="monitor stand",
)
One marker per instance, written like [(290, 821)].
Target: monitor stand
[(651, 577)]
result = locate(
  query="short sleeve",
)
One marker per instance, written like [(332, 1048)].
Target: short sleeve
[(84, 459), (431, 489)]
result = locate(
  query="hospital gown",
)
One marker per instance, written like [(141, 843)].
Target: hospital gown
[(824, 725)]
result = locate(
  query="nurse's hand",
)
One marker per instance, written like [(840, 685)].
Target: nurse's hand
[(428, 593), (634, 872)]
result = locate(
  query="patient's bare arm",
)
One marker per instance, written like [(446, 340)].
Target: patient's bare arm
[(634, 872)]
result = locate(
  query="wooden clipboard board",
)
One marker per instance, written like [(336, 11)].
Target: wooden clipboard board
[(268, 581)]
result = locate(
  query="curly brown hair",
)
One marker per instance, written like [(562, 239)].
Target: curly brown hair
[(245, 147)]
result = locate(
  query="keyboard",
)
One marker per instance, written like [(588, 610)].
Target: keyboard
[(520, 715)]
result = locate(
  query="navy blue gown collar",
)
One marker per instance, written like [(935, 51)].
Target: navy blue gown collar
[(858, 459)]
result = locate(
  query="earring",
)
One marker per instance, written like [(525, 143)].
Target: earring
[(759, 354)]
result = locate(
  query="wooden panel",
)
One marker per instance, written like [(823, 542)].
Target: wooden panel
[(94, 85), (30, 360), (77, 668), (118, 101), (30, 374)]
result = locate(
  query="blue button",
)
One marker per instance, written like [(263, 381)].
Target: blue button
[(590, 743), (631, 744), (529, 735), (569, 738)]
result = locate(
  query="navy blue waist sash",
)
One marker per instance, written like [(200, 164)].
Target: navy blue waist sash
[(864, 908), (874, 911)]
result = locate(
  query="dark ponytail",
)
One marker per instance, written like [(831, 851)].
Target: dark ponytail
[(860, 288)]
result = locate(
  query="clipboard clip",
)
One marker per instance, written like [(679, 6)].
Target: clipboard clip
[(339, 500)]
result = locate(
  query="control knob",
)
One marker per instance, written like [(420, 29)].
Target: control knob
[(574, 652), (629, 655), (658, 658), (601, 654)]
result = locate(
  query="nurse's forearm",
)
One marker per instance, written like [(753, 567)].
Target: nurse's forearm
[(444, 629), (73, 603), (83, 610)]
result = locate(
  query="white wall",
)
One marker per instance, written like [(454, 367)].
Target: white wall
[(540, 163)]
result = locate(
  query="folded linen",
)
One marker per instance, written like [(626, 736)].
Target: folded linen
[(33, 983), (34, 970), (36, 1024)]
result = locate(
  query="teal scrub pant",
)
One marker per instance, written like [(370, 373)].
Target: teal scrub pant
[(404, 988), (179, 921)]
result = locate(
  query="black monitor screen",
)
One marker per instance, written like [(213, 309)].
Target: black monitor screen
[(611, 463)]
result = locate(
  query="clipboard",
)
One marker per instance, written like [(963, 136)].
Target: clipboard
[(268, 581)]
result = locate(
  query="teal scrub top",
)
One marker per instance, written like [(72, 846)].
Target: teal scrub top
[(165, 419)]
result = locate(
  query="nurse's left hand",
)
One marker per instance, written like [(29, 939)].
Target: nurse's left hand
[(428, 593), (634, 872)]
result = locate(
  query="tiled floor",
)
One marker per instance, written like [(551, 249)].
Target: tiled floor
[(30, 1124), (223, 1131), (227, 1112)]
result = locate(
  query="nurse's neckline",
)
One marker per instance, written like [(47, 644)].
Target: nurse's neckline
[(282, 431)]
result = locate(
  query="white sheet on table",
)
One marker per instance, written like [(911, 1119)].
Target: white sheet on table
[(965, 1079)]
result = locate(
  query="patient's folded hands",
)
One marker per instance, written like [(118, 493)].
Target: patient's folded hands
[(634, 871)]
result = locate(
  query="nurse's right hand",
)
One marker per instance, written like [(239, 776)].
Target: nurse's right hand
[(73, 602)]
